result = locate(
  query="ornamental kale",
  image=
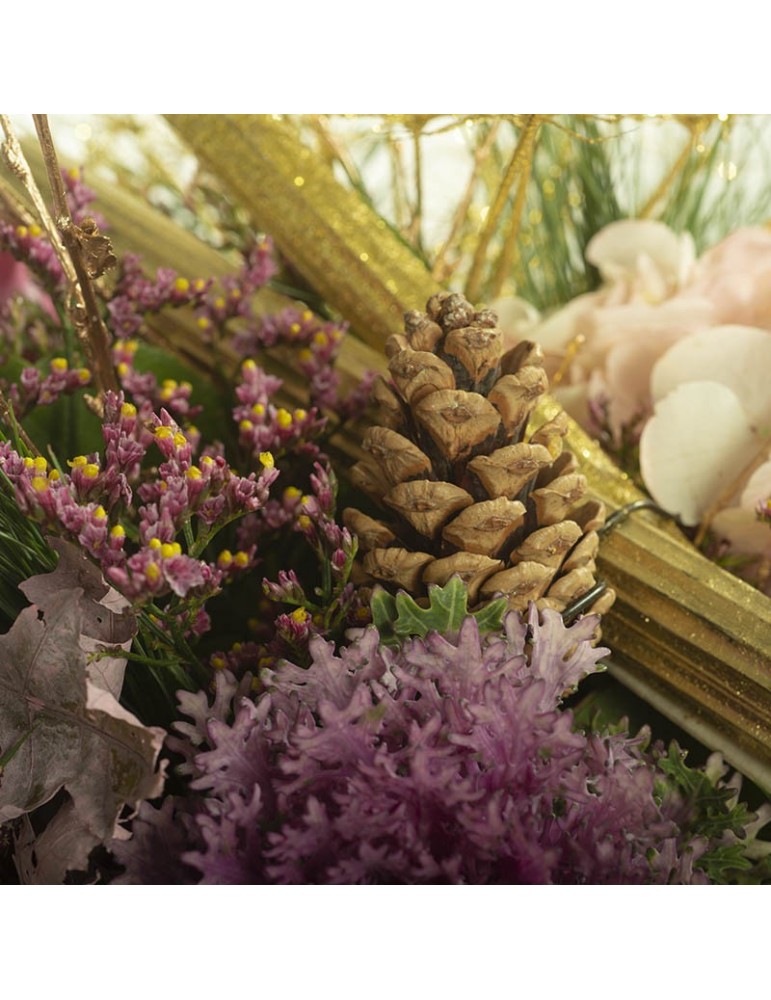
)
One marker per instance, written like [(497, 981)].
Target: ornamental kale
[(440, 760)]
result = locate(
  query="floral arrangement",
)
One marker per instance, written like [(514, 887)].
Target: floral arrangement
[(214, 671)]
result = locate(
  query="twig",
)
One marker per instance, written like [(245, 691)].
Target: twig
[(91, 327), (15, 210), (17, 162)]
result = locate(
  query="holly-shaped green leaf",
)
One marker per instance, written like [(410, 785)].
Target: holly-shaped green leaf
[(400, 617)]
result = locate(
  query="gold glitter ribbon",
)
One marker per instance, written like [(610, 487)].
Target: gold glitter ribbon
[(687, 636)]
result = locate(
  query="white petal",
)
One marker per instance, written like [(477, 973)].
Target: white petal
[(739, 357), (618, 249), (694, 446), (515, 314)]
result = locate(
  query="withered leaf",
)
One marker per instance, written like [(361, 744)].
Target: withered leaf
[(78, 736), (105, 620), (97, 249)]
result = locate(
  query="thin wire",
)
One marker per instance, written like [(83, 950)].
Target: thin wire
[(585, 601)]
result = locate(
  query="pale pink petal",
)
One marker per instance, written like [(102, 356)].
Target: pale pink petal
[(736, 276), (739, 357), (574, 400), (696, 444), (555, 332), (758, 487), (743, 531), (643, 252)]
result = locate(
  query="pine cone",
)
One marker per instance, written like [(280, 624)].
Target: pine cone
[(465, 492)]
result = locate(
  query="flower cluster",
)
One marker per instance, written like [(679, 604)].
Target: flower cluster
[(262, 426), (35, 389), (136, 295), (29, 246), (315, 345), (446, 760), (179, 498), (670, 353)]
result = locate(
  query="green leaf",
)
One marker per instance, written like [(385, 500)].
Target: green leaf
[(383, 607), (400, 617)]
